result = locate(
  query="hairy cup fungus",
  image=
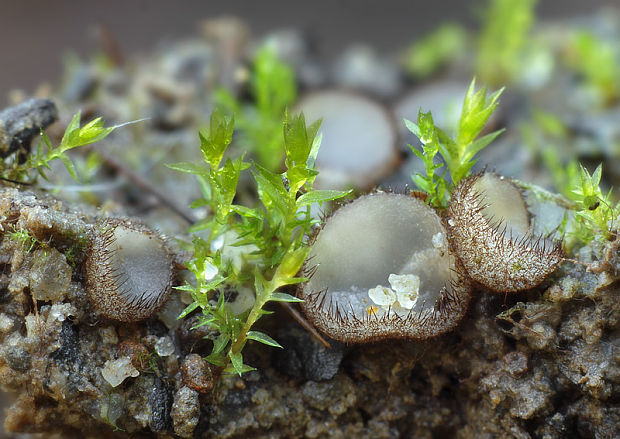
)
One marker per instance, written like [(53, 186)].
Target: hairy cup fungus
[(381, 268), (128, 270), (489, 231), (358, 139), (443, 99)]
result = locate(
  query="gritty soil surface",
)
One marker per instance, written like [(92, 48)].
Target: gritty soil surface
[(541, 364)]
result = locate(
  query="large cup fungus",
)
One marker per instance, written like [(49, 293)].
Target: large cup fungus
[(381, 268)]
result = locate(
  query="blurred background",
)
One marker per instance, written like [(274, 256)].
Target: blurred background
[(35, 35)]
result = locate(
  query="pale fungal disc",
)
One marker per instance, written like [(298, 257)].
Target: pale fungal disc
[(128, 270), (503, 204), (438, 240), (444, 99), (379, 240), (489, 231), (358, 138)]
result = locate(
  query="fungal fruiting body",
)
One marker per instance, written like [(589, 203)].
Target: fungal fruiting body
[(358, 138), (489, 231), (128, 270), (381, 268)]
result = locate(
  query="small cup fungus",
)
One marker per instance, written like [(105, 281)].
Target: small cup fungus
[(358, 139), (489, 231), (381, 268), (128, 270)]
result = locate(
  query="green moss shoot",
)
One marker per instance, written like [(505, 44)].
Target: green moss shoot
[(272, 238), (440, 47), (38, 162), (457, 151)]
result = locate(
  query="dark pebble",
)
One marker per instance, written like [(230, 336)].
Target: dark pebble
[(69, 351), (160, 400), (18, 359), (21, 122), (303, 356)]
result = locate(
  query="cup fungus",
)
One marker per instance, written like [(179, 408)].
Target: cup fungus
[(381, 268), (358, 143), (443, 99), (489, 231), (128, 270)]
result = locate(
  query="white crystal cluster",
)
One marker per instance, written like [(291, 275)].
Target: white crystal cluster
[(403, 293), (116, 371)]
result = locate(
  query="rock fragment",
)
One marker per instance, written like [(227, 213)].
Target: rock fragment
[(21, 122), (50, 275), (185, 412), (116, 371)]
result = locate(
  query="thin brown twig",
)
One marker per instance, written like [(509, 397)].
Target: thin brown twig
[(305, 323), (144, 184)]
